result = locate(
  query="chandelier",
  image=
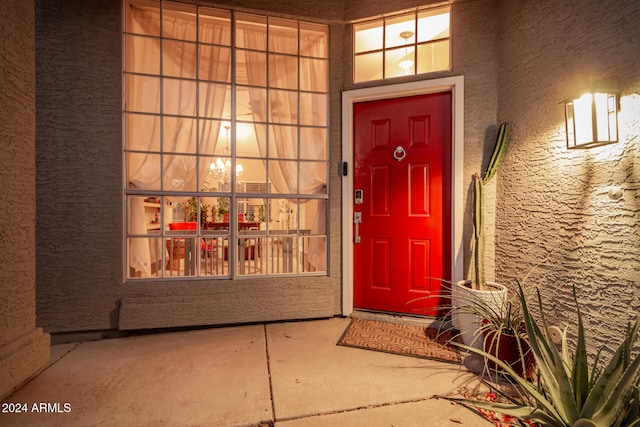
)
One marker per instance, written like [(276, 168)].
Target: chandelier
[(220, 170)]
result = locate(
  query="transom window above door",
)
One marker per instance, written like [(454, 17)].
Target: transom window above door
[(406, 44), (225, 142)]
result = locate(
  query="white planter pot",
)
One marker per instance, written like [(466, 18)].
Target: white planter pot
[(463, 316)]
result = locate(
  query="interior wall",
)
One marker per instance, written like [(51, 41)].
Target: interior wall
[(326, 10), (363, 9), (24, 349), (553, 204)]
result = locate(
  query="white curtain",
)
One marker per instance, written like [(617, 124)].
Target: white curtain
[(179, 97), (283, 108)]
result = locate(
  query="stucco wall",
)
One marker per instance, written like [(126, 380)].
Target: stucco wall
[(475, 56), (553, 201), (24, 349), (79, 164)]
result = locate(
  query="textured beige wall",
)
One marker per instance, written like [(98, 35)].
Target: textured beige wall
[(550, 199), (24, 349), (475, 56), (79, 164)]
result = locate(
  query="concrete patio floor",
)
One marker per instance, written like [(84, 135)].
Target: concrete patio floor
[(281, 374)]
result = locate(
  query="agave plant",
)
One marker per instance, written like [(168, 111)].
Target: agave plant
[(569, 392)]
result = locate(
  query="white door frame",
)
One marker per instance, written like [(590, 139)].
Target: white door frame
[(455, 85)]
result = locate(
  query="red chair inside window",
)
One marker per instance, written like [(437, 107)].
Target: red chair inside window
[(175, 246), (183, 226)]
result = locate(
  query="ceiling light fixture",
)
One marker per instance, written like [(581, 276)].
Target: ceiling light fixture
[(221, 169), (407, 63)]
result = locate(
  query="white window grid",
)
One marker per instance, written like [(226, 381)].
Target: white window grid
[(238, 200)]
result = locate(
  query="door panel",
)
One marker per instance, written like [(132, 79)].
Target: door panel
[(406, 228), (419, 127), (419, 190), (381, 191), (419, 256), (381, 266)]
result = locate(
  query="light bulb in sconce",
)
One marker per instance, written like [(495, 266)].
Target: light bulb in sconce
[(592, 118), (406, 65)]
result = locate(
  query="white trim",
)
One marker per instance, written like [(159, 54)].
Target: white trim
[(455, 85)]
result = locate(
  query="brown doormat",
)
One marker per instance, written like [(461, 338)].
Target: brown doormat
[(405, 340)]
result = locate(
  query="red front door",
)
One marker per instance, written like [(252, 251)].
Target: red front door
[(402, 171)]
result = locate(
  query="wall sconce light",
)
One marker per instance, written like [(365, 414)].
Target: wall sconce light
[(592, 120)]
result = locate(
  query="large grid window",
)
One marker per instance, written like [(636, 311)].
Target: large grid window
[(225, 142), (406, 44)]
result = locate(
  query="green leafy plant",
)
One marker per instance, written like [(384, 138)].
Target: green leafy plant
[(223, 206), (507, 319), (262, 213), (191, 210), (485, 311), (569, 391), (505, 337), (502, 142), (498, 328)]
